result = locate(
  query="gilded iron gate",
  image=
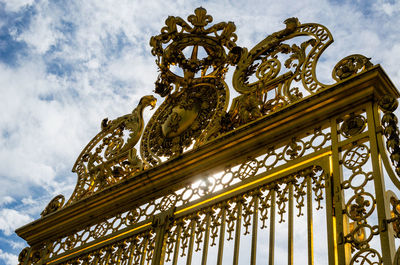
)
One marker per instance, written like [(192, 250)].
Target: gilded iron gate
[(292, 173)]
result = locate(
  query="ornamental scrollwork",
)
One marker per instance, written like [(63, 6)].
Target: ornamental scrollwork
[(111, 155), (194, 110), (367, 256), (55, 204), (259, 77)]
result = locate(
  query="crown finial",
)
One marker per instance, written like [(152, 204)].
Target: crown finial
[(178, 36)]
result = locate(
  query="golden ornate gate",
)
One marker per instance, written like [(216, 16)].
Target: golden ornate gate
[(293, 172)]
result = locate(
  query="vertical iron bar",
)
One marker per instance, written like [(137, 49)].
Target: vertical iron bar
[(177, 243), (144, 252), (107, 256), (118, 257), (237, 232), (386, 237), (221, 235), (341, 251), (191, 242), (159, 245), (254, 232), (206, 238), (330, 218), (131, 250), (96, 257), (272, 228), (310, 222), (290, 225)]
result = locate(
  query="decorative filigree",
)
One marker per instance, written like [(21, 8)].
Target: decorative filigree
[(172, 237), (360, 205), (356, 156), (55, 204), (282, 198), (134, 249), (217, 211), (233, 212), (259, 77), (312, 140), (350, 66), (265, 204), (110, 156), (293, 150), (367, 257)]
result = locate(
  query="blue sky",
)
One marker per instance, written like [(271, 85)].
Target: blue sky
[(65, 65)]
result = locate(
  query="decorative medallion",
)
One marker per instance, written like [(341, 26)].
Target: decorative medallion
[(350, 66), (352, 125)]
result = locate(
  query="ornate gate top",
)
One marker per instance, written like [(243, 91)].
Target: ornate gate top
[(193, 58), (289, 147)]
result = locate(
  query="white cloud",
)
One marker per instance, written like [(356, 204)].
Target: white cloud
[(16, 245), (16, 5), (6, 200), (11, 219), (8, 258), (388, 7)]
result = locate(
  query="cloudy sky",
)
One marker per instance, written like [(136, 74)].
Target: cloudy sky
[(65, 65)]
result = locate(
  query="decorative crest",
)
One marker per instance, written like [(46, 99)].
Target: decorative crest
[(198, 98)]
